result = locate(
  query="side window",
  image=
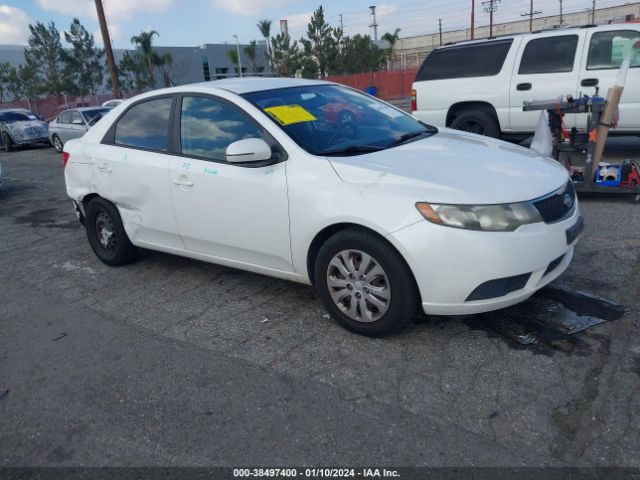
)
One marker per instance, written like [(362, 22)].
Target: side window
[(608, 49), (549, 55), (209, 126), (475, 60), (76, 118), (145, 125), (65, 117)]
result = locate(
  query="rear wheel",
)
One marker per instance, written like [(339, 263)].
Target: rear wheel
[(57, 143), (478, 122), (106, 233), (365, 283), (7, 142)]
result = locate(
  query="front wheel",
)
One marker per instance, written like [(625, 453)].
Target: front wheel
[(106, 233), (7, 142), (364, 283)]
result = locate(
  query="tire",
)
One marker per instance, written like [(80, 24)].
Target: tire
[(476, 121), (57, 143), (7, 142), (388, 290), (106, 233)]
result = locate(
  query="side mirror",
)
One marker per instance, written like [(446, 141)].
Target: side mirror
[(248, 150)]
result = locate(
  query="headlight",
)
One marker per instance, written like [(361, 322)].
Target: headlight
[(494, 218)]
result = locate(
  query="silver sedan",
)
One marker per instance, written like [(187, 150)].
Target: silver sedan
[(73, 123)]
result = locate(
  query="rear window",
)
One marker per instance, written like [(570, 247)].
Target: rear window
[(549, 55), (478, 60), (607, 49), (145, 125)]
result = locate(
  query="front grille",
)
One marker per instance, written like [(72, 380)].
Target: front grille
[(556, 206)]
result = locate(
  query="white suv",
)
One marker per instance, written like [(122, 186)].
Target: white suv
[(479, 86)]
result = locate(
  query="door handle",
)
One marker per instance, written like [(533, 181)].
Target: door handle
[(183, 183), (104, 169), (523, 86), (589, 82)]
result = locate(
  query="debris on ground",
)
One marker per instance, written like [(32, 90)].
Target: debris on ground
[(3, 393), (264, 320), (62, 335)]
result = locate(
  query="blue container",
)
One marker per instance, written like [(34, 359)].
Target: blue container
[(610, 183), (371, 90)]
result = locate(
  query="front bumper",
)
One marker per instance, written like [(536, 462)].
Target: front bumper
[(450, 265)]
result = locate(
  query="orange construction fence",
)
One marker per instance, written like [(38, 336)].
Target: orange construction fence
[(390, 85)]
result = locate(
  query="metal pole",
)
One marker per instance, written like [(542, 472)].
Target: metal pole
[(531, 16), (473, 14), (106, 40), (560, 12), (593, 12), (440, 29), (491, 18), (239, 59)]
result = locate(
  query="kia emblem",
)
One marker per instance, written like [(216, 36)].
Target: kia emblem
[(568, 200)]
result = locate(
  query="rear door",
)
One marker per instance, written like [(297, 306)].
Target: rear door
[(130, 168), (604, 51), (546, 67), (63, 126)]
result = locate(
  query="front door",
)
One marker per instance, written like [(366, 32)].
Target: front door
[(237, 212), (601, 64), (545, 68)]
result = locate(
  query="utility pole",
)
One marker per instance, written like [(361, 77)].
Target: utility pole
[(106, 40), (490, 7), (238, 52), (531, 13), (473, 15), (341, 25), (560, 12), (374, 24), (440, 29), (593, 12)]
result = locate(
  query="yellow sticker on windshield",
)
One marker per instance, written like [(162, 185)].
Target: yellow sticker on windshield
[(288, 114)]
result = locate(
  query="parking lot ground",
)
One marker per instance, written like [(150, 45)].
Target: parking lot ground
[(171, 361)]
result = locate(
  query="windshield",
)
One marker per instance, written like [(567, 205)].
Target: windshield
[(335, 120), (90, 114), (17, 116)]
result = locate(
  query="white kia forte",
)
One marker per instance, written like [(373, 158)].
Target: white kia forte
[(321, 184)]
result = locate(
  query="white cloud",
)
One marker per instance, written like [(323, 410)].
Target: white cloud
[(115, 10), (77, 8), (14, 25), (250, 7), (114, 32)]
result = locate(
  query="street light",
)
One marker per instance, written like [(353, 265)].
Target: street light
[(238, 51)]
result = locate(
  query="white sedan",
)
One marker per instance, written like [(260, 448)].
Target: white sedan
[(320, 184)]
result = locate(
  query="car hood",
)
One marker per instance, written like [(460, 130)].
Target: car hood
[(456, 167), (19, 129)]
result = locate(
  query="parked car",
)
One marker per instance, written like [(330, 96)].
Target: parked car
[(73, 123), (479, 86), (384, 219), (112, 103), (19, 127)]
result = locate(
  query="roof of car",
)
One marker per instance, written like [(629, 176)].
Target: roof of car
[(253, 84)]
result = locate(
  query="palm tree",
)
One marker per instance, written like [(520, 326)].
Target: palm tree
[(144, 41), (233, 56), (391, 39), (250, 52), (265, 30)]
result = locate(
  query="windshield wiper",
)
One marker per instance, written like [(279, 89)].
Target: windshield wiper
[(350, 150), (405, 137)]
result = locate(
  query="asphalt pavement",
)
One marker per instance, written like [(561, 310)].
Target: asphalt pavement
[(170, 361)]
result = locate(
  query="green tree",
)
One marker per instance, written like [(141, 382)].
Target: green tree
[(133, 74), (391, 39), (5, 78), (285, 56), (264, 26), (321, 46), (144, 41), (83, 61), (359, 54), (251, 52), (232, 55), (24, 83), (164, 62), (43, 55)]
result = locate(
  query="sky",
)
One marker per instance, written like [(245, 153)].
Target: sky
[(195, 22)]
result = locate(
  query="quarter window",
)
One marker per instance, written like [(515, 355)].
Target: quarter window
[(608, 49), (145, 125), (209, 126), (549, 55)]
